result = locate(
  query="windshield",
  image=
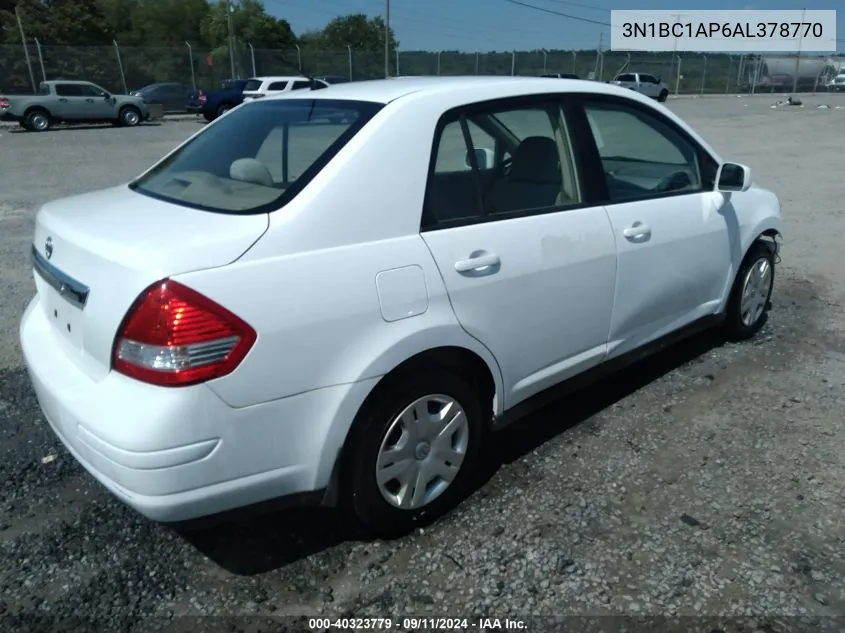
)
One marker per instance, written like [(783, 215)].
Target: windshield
[(258, 156)]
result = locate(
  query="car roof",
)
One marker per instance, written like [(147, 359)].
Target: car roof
[(277, 78), (386, 90)]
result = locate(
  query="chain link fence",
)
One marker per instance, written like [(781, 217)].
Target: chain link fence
[(121, 69)]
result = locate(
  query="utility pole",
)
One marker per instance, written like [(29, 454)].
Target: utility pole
[(798, 57), (25, 50), (677, 17), (229, 10), (386, 39)]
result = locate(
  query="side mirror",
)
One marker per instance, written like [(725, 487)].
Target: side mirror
[(733, 177), (106, 95), (484, 158)]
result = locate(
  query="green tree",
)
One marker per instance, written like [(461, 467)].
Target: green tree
[(329, 52)]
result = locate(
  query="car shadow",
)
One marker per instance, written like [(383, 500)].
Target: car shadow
[(249, 542), (75, 128)]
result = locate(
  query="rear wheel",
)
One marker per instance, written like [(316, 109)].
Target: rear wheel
[(664, 94), (412, 451), (37, 121), (223, 109), (129, 116), (752, 290)]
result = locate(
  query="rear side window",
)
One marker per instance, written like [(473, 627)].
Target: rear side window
[(252, 84), (44, 89), (301, 85), (278, 85), (68, 90), (626, 78), (257, 157)]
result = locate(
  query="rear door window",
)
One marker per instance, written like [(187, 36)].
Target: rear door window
[(257, 157), (68, 90)]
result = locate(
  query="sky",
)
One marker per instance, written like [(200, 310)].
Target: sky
[(488, 25)]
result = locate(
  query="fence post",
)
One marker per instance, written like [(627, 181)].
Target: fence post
[(191, 59), (513, 63), (438, 63), (730, 70), (678, 76), (477, 55), (545, 61), (574, 62), (40, 59), (703, 75), (299, 56), (252, 57), (349, 59), (120, 66), (397, 62)]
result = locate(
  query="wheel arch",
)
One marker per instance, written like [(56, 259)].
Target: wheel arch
[(467, 358), (37, 107)]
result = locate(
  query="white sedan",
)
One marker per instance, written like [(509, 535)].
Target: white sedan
[(287, 307)]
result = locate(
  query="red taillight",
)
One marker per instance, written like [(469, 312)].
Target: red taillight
[(202, 97), (4, 102), (174, 336)]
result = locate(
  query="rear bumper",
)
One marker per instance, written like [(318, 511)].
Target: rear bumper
[(7, 116), (175, 454)]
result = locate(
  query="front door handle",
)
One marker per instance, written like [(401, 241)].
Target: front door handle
[(90, 100), (637, 230), (478, 262), (63, 100)]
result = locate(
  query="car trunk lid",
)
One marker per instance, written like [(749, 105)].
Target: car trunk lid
[(95, 253)]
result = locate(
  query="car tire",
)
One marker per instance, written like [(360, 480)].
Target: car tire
[(664, 94), (223, 109), (380, 425), (751, 293), (129, 116), (38, 121)]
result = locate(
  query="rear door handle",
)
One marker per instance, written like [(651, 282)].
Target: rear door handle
[(637, 230), (90, 100), (479, 261), (63, 100)]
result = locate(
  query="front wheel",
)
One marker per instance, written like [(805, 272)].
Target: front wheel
[(412, 451), (664, 94), (752, 290), (130, 117)]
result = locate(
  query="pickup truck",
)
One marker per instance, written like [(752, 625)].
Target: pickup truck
[(215, 103), (648, 85), (72, 102)]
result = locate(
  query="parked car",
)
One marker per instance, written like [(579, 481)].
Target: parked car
[(65, 101), (561, 75), (215, 103), (173, 97), (258, 87), (649, 85), (239, 322)]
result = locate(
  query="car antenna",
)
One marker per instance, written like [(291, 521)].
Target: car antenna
[(315, 84)]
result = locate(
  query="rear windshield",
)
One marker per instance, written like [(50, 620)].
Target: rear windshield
[(252, 84), (44, 88), (258, 156)]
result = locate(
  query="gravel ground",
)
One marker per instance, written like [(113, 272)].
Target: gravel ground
[(708, 481)]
